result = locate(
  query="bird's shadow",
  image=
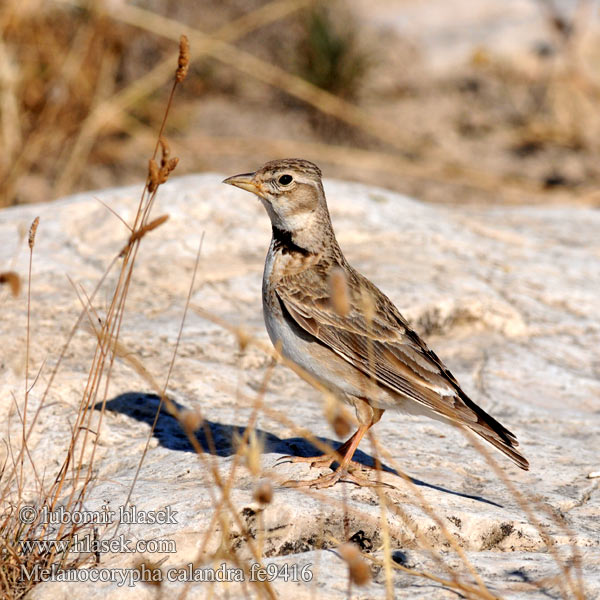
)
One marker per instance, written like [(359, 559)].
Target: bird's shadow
[(221, 439), (522, 575)]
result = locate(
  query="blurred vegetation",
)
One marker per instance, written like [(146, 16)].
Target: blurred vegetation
[(329, 52), (80, 83), (58, 64)]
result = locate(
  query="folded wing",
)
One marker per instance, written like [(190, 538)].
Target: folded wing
[(385, 348)]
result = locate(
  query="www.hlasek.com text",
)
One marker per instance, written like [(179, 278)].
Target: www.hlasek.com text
[(87, 544)]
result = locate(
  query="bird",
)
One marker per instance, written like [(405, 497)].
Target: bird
[(355, 344)]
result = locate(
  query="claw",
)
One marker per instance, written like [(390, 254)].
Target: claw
[(282, 460), (322, 461)]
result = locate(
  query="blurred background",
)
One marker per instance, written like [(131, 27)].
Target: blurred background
[(462, 101)]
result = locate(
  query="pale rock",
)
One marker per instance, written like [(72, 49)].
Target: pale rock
[(507, 296)]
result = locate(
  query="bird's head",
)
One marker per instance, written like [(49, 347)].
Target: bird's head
[(290, 190)]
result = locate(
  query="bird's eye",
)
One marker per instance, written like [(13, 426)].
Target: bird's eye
[(285, 179)]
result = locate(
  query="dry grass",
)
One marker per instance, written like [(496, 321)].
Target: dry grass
[(101, 111), (568, 582), (76, 107), (19, 554)]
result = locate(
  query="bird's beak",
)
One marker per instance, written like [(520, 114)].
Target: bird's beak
[(245, 181)]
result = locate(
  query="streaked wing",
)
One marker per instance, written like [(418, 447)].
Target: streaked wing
[(385, 348)]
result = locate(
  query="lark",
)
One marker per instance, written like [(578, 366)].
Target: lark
[(359, 348)]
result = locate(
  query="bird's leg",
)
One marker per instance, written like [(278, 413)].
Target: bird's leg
[(342, 472), (321, 461)]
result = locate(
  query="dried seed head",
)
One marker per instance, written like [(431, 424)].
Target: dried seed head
[(12, 280), (243, 338), (191, 419), (153, 175), (165, 151), (337, 415), (183, 63), (154, 223), (32, 232), (341, 425), (163, 175), (263, 492), (338, 289), (160, 175), (138, 234), (360, 572), (172, 163)]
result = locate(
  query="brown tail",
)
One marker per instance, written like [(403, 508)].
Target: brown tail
[(495, 433), (507, 448)]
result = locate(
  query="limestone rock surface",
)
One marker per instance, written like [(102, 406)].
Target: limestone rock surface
[(508, 297)]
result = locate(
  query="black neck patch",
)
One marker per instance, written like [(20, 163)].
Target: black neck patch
[(283, 241)]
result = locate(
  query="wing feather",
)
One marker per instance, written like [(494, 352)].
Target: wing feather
[(386, 349)]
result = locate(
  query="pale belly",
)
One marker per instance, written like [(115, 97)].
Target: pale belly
[(316, 359), (323, 364)]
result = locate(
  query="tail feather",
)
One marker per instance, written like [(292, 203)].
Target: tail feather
[(507, 448), (495, 433)]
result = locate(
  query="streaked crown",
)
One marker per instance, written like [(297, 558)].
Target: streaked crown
[(297, 165), (291, 190)]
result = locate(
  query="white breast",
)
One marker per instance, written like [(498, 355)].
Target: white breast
[(294, 343), (277, 329)]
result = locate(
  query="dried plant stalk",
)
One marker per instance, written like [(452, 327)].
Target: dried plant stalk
[(138, 234)]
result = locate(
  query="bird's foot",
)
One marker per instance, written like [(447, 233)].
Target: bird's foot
[(320, 462), (340, 474)]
